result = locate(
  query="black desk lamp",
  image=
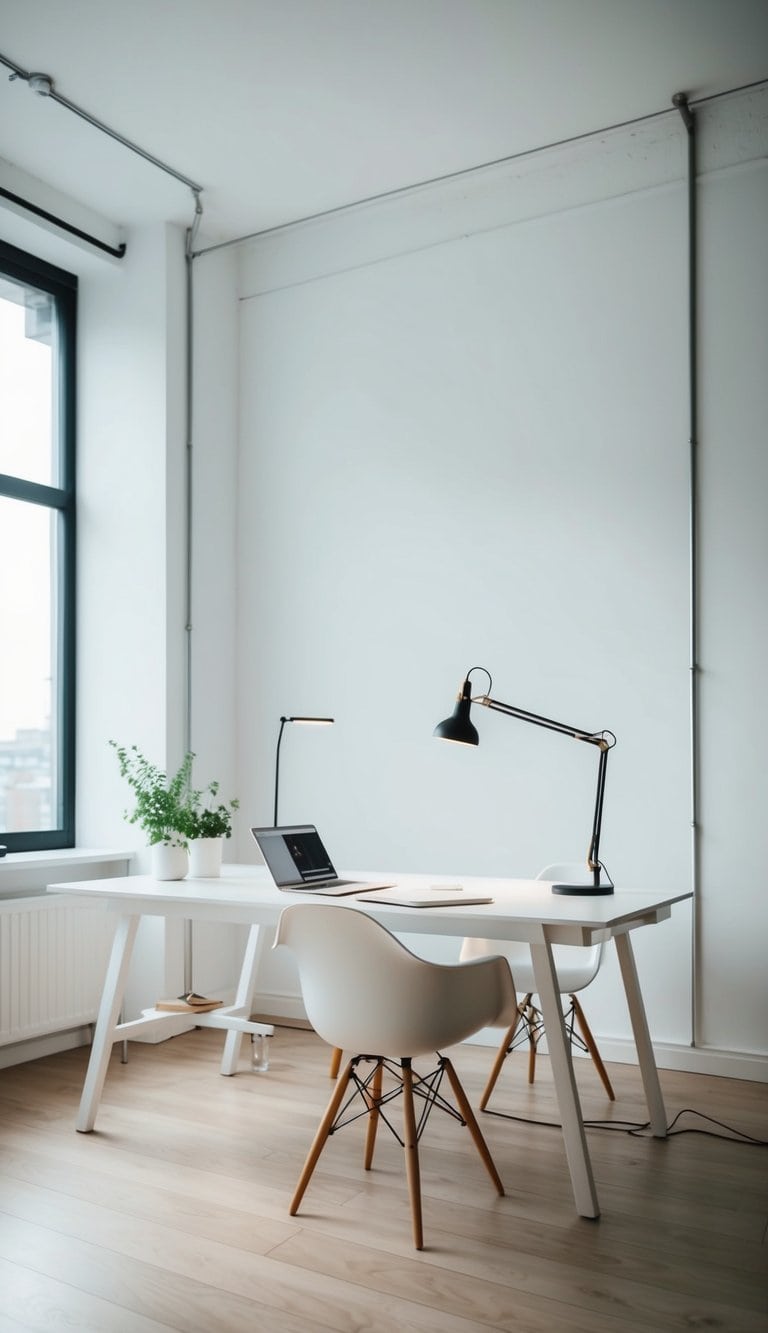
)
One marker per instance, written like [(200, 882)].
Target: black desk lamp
[(316, 721), (459, 728)]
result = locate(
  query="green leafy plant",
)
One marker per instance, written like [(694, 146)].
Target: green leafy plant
[(160, 801), (203, 817)]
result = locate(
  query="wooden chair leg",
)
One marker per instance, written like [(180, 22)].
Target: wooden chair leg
[(373, 1115), (336, 1055), (472, 1125), (591, 1046), (320, 1138), (530, 1014), (411, 1146), (501, 1056)]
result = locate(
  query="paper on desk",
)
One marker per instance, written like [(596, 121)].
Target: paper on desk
[(439, 895)]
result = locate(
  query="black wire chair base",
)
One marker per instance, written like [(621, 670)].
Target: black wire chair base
[(530, 1029), (426, 1087), (358, 1084)]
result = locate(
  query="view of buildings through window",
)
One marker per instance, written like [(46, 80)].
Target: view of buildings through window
[(32, 550)]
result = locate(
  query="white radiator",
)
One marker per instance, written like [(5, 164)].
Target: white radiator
[(53, 956)]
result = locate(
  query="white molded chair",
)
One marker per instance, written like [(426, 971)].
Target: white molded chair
[(365, 992), (576, 967)]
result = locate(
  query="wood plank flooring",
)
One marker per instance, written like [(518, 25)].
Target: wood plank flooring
[(173, 1214)]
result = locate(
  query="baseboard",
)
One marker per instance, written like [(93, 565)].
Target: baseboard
[(692, 1059), (280, 1008), (19, 1052), (689, 1059)]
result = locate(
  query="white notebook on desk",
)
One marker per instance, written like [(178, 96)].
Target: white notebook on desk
[(436, 895)]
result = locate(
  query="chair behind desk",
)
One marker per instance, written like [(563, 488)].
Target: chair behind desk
[(576, 967)]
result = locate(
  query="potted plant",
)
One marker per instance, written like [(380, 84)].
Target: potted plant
[(159, 809), (206, 821)]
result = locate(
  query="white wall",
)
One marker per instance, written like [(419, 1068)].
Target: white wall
[(464, 440), (130, 516), (734, 534), (130, 551), (130, 493)]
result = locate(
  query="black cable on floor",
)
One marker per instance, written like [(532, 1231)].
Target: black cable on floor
[(630, 1127)]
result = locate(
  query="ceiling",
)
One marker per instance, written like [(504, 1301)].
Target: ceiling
[(282, 109)]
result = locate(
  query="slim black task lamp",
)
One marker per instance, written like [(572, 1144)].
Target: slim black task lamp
[(460, 728), (311, 721)]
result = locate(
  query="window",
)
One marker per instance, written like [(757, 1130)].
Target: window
[(37, 553)]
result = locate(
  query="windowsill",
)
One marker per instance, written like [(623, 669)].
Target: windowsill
[(24, 874), (64, 856)]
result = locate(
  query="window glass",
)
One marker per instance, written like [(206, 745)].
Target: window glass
[(28, 796), (37, 553), (27, 335)]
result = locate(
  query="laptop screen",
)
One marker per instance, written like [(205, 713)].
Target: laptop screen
[(294, 853)]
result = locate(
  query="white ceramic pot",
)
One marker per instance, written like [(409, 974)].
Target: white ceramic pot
[(169, 862), (205, 857)]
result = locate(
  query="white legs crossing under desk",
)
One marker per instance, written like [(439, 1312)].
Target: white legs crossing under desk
[(234, 1019)]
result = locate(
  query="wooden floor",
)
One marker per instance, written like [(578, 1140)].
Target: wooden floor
[(174, 1212)]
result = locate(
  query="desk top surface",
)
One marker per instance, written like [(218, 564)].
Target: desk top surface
[(246, 894)]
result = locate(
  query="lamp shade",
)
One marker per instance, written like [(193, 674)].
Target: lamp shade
[(313, 721), (458, 727)]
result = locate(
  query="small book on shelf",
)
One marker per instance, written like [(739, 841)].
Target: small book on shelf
[(189, 1004)]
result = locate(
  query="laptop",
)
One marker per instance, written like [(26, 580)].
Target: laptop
[(297, 860)]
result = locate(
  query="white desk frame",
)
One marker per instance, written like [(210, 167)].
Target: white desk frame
[(522, 910)]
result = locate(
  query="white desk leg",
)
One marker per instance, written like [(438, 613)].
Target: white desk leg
[(243, 998), (575, 1139), (104, 1035), (648, 1070)]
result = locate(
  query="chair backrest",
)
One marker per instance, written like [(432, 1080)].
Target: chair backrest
[(576, 966), (571, 872), (365, 992)]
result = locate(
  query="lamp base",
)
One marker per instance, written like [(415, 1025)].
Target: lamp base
[(583, 890)]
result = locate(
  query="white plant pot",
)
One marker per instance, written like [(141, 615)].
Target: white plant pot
[(205, 857), (169, 862)]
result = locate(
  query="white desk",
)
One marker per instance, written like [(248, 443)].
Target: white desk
[(521, 910)]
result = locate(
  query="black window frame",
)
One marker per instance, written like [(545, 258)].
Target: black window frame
[(62, 287)]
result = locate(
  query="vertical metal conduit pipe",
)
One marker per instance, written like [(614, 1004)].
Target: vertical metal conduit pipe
[(189, 259), (680, 100)]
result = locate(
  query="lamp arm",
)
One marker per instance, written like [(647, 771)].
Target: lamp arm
[(283, 721), (604, 740), (593, 858)]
